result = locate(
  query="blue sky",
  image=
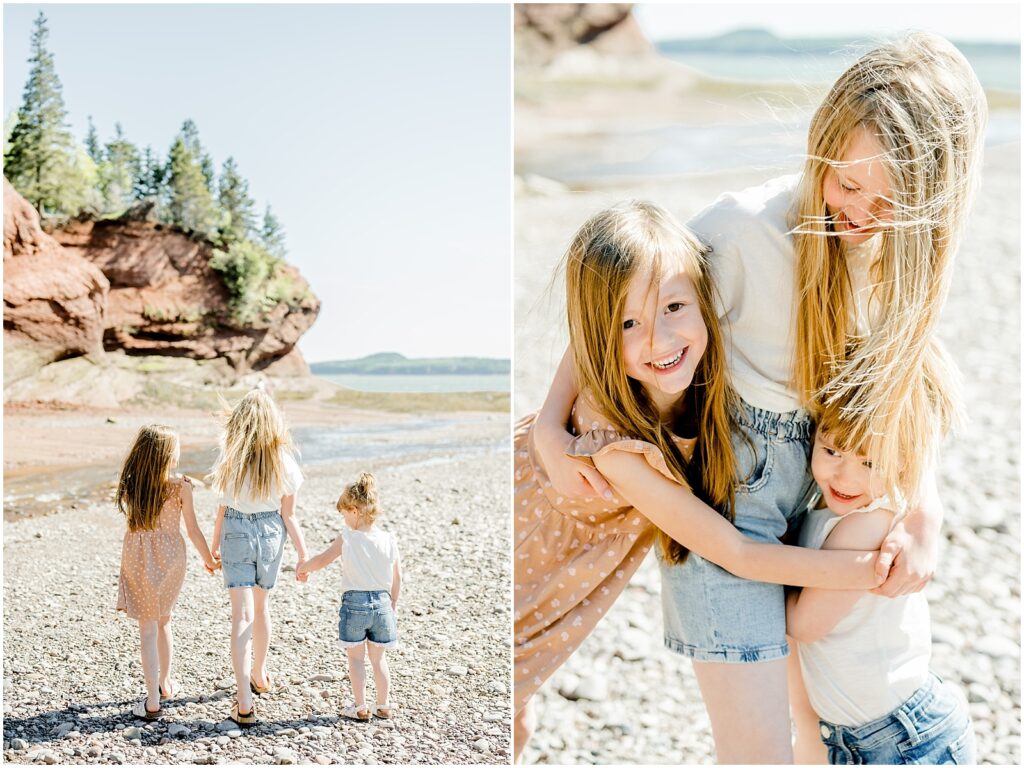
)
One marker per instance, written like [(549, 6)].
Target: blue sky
[(381, 136), (987, 22)]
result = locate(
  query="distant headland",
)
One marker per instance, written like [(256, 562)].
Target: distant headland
[(393, 363)]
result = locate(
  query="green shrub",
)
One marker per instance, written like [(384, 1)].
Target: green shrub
[(256, 281)]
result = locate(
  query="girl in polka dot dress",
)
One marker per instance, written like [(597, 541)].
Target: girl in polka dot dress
[(153, 554), (654, 417)]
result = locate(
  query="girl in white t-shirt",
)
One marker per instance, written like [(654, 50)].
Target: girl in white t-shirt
[(870, 697), (257, 479), (371, 576)]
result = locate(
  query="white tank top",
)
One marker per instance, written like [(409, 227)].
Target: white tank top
[(876, 656), (367, 560)]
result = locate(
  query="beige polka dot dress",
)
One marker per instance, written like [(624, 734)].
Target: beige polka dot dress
[(153, 565), (572, 558)]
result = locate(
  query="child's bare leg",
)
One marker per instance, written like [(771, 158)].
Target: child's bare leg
[(241, 643), (357, 672), (808, 748), (525, 724), (381, 673), (261, 627), (148, 631), (747, 706), (165, 646)]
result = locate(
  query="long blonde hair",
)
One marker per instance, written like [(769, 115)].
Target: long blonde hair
[(144, 483), (921, 101), (362, 496), (253, 440), (613, 246)]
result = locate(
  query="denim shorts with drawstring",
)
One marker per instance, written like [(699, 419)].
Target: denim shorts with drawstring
[(710, 614), (251, 547), (932, 727)]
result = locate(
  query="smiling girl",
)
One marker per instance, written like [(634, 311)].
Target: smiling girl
[(831, 283), (653, 416)]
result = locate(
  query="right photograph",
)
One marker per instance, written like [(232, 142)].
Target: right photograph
[(767, 385)]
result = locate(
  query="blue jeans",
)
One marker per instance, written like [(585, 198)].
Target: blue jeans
[(931, 727), (367, 616), (251, 547), (711, 615)]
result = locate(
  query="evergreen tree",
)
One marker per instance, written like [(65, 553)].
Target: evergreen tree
[(92, 144), (272, 235), (118, 171), (189, 204), (237, 208), (209, 174), (42, 160), (149, 181)]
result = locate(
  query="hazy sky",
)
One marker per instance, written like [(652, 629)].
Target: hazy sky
[(957, 21), (379, 134)]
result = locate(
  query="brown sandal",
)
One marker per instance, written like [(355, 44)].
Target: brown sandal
[(246, 720), (142, 712), (259, 690)]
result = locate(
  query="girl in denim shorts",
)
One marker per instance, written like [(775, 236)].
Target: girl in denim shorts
[(371, 577), (257, 478), (864, 658)]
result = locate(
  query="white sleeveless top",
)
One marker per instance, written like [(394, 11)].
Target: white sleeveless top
[(367, 560), (876, 657), (248, 503)]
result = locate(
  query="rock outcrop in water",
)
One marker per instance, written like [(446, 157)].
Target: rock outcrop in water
[(138, 286)]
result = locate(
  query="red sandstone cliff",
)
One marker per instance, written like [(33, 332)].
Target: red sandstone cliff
[(136, 286), (543, 31)]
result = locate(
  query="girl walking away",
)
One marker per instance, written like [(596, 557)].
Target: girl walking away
[(153, 554), (653, 415), (831, 283), (258, 479), (371, 577), (864, 657)]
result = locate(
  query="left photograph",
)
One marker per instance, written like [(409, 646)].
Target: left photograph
[(256, 369)]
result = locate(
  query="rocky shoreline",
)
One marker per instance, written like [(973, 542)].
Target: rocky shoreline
[(71, 668)]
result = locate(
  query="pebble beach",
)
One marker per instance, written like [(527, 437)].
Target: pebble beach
[(71, 666)]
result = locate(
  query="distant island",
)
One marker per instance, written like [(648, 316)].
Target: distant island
[(763, 41), (393, 363)]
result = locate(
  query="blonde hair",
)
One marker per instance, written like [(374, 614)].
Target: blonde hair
[(144, 483), (929, 398), (252, 443), (361, 496), (921, 101), (608, 251)]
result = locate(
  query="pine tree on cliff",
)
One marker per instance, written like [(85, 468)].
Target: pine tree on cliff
[(189, 205), (42, 160), (149, 182), (118, 171), (238, 217), (272, 235), (92, 144)]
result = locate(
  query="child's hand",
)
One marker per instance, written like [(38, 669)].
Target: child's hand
[(302, 571), (211, 566)]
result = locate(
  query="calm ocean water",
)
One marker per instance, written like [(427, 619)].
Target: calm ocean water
[(774, 144), (996, 68), (423, 383)]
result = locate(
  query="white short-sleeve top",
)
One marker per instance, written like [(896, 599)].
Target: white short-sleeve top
[(368, 558), (753, 261), (247, 504)]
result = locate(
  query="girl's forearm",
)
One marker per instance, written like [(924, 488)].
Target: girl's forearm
[(803, 567), (195, 535), (295, 534), (701, 529), (218, 524)]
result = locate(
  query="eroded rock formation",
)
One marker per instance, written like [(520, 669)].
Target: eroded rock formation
[(545, 31), (139, 286), (54, 301)]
